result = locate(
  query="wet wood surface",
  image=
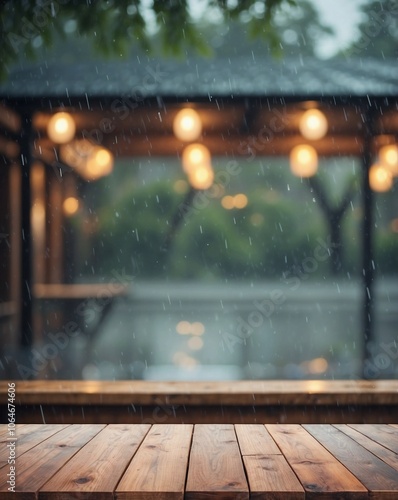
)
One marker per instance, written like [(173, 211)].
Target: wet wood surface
[(135, 401), (219, 461)]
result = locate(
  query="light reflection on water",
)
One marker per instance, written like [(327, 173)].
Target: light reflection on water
[(247, 331)]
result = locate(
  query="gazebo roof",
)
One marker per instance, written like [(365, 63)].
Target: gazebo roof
[(204, 78)]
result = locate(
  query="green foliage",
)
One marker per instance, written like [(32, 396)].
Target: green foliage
[(115, 26), (133, 229), (260, 241), (277, 230), (386, 252)]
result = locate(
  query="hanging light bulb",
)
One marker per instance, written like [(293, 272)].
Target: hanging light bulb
[(99, 164), (195, 155), (89, 161), (187, 125), (61, 128), (380, 178), (313, 124), (70, 205), (196, 163), (303, 161), (388, 156), (201, 177)]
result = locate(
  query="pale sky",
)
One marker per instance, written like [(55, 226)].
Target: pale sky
[(343, 16)]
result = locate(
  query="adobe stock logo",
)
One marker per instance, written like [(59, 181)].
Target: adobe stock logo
[(381, 361)]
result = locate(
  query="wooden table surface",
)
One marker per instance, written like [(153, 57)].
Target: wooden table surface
[(201, 461), (236, 392), (230, 402)]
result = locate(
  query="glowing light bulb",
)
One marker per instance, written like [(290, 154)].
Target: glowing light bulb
[(71, 205), (99, 164), (303, 161), (195, 155), (187, 125), (240, 200), (380, 178), (388, 156), (61, 128), (201, 177), (313, 124)]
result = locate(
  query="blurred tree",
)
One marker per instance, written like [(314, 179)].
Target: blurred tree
[(334, 215), (133, 228), (378, 32)]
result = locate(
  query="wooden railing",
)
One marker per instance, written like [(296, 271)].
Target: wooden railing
[(280, 401)]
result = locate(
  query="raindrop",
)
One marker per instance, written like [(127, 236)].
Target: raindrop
[(42, 414)]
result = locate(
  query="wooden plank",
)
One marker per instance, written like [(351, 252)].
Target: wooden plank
[(96, 469), (81, 291), (158, 469), (9, 118), (215, 466), (380, 479), (383, 434), (321, 475), (255, 440), (27, 436), (242, 392), (270, 476), (38, 464), (377, 449)]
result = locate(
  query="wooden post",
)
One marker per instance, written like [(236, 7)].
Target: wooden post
[(26, 338), (367, 243)]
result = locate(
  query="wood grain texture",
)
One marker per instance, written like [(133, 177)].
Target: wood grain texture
[(207, 414), (373, 473), (26, 436), (388, 456), (39, 464), (244, 392), (255, 440), (270, 476), (159, 468), (29, 435), (96, 469), (80, 291), (383, 434), (321, 475), (215, 466)]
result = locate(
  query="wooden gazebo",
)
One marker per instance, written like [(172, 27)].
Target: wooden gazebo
[(248, 108)]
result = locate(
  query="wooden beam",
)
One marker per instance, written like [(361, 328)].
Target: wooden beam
[(9, 119), (26, 254)]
